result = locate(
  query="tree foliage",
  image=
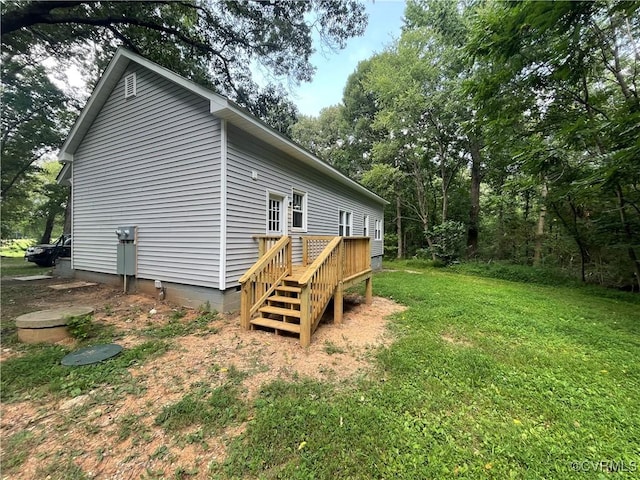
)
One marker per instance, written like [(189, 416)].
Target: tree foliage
[(571, 70), (214, 42), (217, 43), (518, 120), (35, 118)]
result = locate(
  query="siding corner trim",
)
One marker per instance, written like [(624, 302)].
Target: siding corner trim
[(222, 281)]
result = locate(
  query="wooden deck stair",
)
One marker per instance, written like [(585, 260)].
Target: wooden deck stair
[(282, 309), (292, 298)]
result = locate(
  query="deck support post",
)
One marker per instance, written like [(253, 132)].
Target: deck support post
[(338, 304), (305, 319), (369, 290), (245, 308)]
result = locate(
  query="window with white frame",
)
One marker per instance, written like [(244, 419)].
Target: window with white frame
[(377, 234), (299, 211), (365, 228), (345, 225)]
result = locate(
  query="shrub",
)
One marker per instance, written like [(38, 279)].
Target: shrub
[(447, 241), (80, 327)]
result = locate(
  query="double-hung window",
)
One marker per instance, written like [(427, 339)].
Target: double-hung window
[(377, 234), (365, 228), (299, 211), (345, 224)]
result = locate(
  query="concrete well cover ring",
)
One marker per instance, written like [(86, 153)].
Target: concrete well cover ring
[(93, 354), (51, 318)]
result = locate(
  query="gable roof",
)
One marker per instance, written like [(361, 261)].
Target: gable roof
[(219, 106)]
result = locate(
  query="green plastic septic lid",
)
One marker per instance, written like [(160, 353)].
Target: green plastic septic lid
[(93, 354)]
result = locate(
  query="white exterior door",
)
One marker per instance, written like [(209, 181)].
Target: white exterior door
[(276, 218)]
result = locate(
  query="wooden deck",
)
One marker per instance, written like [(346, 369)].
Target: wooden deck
[(285, 297)]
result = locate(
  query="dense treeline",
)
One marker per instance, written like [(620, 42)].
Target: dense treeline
[(497, 130), (501, 131)]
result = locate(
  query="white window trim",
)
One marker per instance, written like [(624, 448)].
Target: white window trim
[(377, 233), (283, 212), (365, 227), (130, 79), (343, 223), (305, 209)]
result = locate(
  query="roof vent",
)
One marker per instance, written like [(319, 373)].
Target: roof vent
[(130, 85)]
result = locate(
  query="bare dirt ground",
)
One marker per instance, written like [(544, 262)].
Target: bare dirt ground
[(88, 430)]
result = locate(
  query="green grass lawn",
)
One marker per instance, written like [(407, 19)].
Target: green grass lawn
[(15, 248), (17, 266), (487, 379)]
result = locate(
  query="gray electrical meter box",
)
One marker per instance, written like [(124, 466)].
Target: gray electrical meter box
[(126, 234), (126, 250)]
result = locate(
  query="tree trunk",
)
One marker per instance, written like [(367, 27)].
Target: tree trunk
[(474, 211), (48, 228), (400, 253), (537, 252), (629, 234), (430, 245), (573, 231), (445, 195)]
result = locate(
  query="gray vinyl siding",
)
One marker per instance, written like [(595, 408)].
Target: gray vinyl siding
[(152, 161), (278, 173)]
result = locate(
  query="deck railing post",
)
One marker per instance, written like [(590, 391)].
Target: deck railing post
[(368, 253), (341, 260), (305, 317), (305, 251), (338, 300), (338, 297), (245, 307)]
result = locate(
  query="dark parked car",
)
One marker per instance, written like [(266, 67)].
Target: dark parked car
[(47, 254)]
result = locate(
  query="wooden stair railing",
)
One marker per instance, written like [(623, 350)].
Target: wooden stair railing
[(265, 242), (319, 283), (262, 279), (294, 299)]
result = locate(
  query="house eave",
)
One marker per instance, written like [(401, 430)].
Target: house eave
[(64, 176), (219, 106), (255, 127)]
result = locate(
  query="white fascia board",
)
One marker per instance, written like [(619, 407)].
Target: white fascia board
[(65, 157), (64, 176), (252, 125), (111, 75)]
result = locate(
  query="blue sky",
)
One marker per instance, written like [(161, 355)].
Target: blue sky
[(333, 68)]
